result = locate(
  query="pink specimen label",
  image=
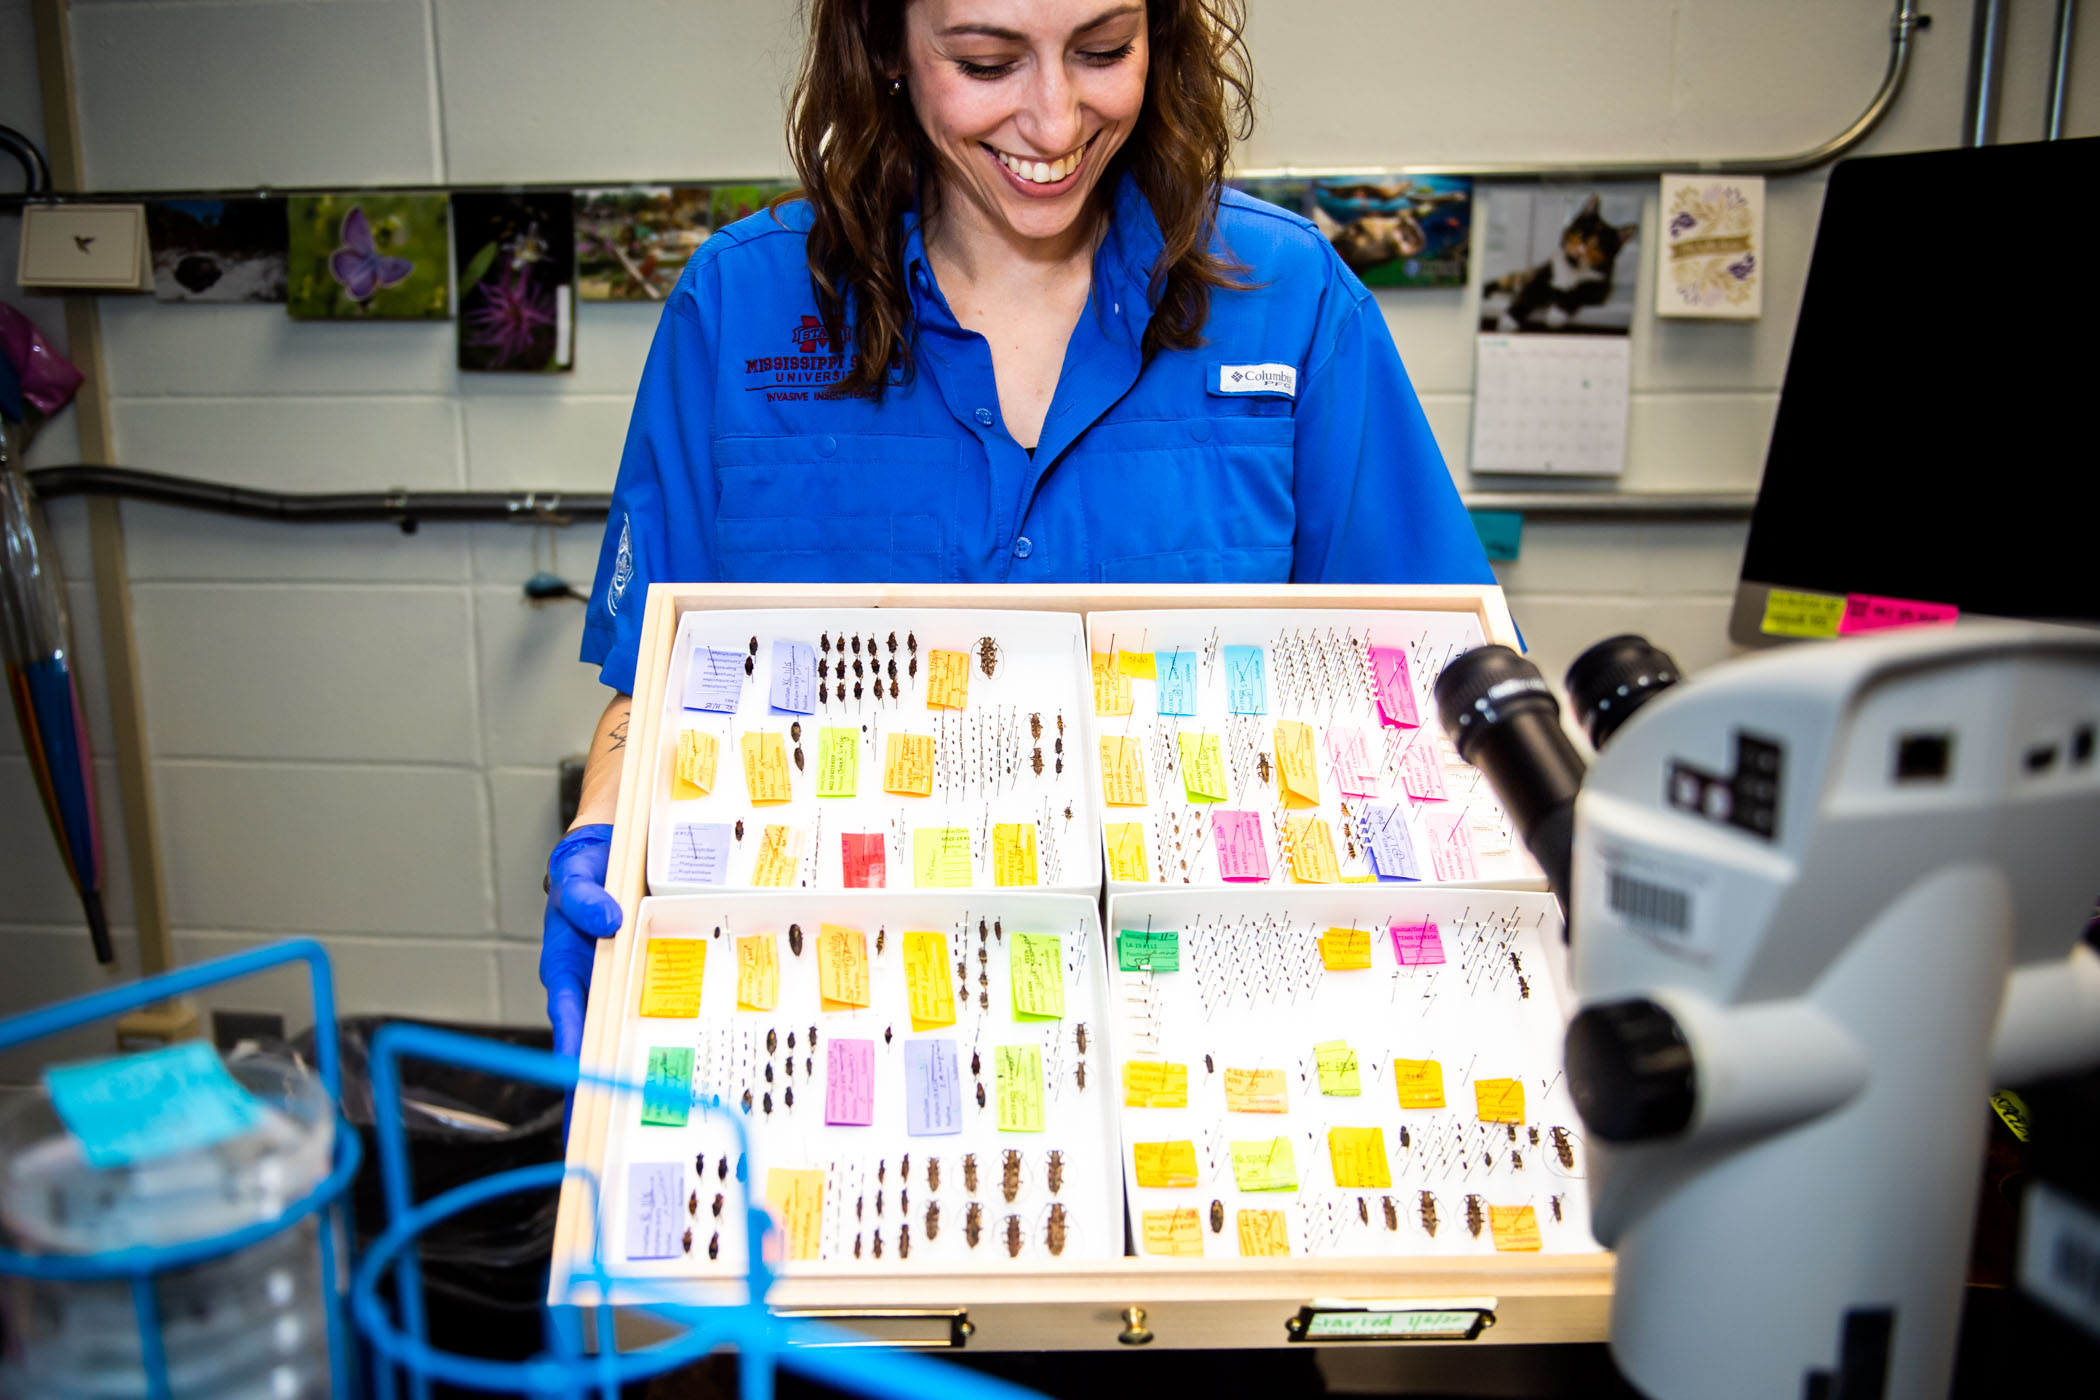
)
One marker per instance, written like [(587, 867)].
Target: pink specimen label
[(849, 1083), (1420, 773), (862, 860), (1864, 612), (1351, 757), (1450, 843), (1417, 945), (1396, 692), (1241, 854)]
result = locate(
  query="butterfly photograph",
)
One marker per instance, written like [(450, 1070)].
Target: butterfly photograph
[(369, 257)]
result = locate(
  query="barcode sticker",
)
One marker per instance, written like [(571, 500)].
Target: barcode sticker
[(1645, 903), (2060, 1255)]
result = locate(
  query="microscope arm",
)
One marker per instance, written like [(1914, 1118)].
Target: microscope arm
[(2049, 1022)]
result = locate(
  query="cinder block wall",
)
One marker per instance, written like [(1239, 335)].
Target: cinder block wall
[(354, 732)]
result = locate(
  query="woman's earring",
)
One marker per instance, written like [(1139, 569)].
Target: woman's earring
[(896, 86)]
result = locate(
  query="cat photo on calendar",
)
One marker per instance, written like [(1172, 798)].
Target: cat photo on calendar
[(1560, 261)]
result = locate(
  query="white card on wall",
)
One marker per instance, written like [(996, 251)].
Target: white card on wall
[(92, 247), (1712, 261), (1551, 405)]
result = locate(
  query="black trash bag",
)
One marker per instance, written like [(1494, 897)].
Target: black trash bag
[(484, 1270)]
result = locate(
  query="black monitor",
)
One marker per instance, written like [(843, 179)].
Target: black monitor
[(1938, 435)]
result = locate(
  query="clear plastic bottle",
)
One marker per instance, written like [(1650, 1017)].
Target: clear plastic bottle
[(249, 1326)]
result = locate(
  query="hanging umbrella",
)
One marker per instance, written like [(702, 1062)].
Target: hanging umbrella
[(39, 663)]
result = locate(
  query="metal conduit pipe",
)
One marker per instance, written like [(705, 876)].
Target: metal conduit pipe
[(406, 509), (1903, 24), (1986, 56), (2060, 65)]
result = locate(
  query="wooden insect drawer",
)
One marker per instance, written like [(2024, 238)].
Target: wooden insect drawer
[(966, 1096)]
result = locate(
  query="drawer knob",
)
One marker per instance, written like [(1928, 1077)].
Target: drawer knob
[(1134, 1333)]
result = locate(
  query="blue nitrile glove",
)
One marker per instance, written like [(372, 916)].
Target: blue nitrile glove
[(579, 913)]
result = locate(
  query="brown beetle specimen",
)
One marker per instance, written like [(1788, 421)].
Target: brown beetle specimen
[(718, 1205), (882, 939), (1476, 1215), (1516, 1159), (1036, 761), (739, 828), (750, 666), (1524, 989), (1533, 1129), (768, 1100), (1556, 1207), (856, 690), (903, 1200), (998, 933), (722, 1163), (859, 671), (970, 1172), (700, 1164), (824, 642), (893, 641), (1429, 1214), (812, 1037), (795, 731), (823, 692), (1013, 1236), (1363, 1210), (878, 1244), (1564, 1148), (692, 1204), (856, 1246), (1261, 764), (856, 643), (1080, 1036), (795, 947), (982, 931), (904, 1169), (789, 1092), (980, 1093), (823, 670), (1035, 726), (1512, 1131), (987, 655), (973, 1223), (1060, 721), (1080, 1070), (772, 1040), (912, 670), (714, 1245), (747, 1100), (860, 1207), (933, 1220), (1392, 1213), (1217, 1217), (882, 1170), (887, 1032), (685, 1241), (933, 1179), (893, 682), (1057, 1171), (903, 1239), (1209, 1067), (798, 760), (911, 641), (1010, 1176), (1054, 1236), (984, 1003), (1405, 1140)]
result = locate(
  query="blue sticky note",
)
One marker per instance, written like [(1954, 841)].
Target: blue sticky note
[(1501, 532), (795, 678), (135, 1108), (715, 680), (1177, 682), (932, 1089), (1384, 832), (700, 853), (1246, 680), (655, 1209)]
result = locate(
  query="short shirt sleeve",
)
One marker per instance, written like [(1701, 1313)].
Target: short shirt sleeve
[(661, 524)]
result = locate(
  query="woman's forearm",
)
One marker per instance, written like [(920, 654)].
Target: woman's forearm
[(601, 767)]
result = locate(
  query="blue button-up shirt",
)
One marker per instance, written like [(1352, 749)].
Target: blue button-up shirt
[(1289, 447)]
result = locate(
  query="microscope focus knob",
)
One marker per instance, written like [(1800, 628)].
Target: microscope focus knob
[(1630, 1071)]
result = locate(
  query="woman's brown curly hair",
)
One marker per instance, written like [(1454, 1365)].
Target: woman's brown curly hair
[(860, 152)]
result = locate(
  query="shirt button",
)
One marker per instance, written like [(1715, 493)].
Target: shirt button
[(1199, 429), (827, 445), (984, 416), (1023, 548)]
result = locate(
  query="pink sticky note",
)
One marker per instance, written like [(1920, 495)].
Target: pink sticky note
[(1420, 773), (1241, 854), (1396, 692), (1351, 759), (1417, 945), (863, 861), (849, 1083), (1864, 612), (1450, 843)]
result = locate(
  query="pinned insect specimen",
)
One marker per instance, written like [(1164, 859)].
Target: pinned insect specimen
[(1013, 1236), (933, 1180), (722, 1163), (856, 644), (1010, 1176), (1363, 1210), (859, 671), (1392, 1213), (893, 643), (823, 669), (911, 641), (739, 828), (1080, 1071), (692, 1204), (714, 1245), (798, 760), (747, 1101), (882, 1169), (987, 655), (856, 690), (750, 665), (769, 1071), (789, 1092), (973, 1223), (1476, 1215), (1564, 1148), (1516, 1159), (1261, 765), (887, 1033), (1405, 1141), (904, 1239), (933, 1218), (1217, 1217), (882, 939), (700, 1164), (1054, 1235), (893, 682), (912, 670), (982, 931), (878, 1203), (823, 692), (1035, 726), (904, 1168), (1533, 1129), (795, 731), (772, 1040), (824, 642), (860, 1207), (768, 1100), (970, 1172), (878, 1244), (1035, 761), (718, 1205), (1081, 1037), (1556, 1206), (686, 1240), (1209, 1066), (903, 1201), (1512, 1131), (812, 1034), (1428, 1208), (795, 947), (976, 1068), (998, 933), (856, 1245), (1524, 988)]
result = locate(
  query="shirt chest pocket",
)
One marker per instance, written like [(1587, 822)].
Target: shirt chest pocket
[(835, 508), (1204, 500)]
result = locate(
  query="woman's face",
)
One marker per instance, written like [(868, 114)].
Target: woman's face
[(1025, 101)]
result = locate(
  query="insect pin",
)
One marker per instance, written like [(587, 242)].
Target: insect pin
[(1013, 1236), (1054, 1233), (973, 1223), (1217, 1217)]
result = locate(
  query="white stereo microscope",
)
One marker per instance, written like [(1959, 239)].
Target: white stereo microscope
[(1823, 900)]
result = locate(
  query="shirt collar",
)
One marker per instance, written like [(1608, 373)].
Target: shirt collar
[(1122, 265)]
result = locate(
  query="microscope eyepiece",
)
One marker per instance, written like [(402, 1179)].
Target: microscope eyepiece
[(1614, 678), (1501, 714)]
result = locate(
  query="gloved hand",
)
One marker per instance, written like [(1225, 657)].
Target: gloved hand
[(579, 913)]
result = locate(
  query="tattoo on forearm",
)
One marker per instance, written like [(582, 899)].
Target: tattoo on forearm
[(619, 736)]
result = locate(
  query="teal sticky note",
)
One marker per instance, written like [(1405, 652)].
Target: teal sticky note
[(1140, 951), (135, 1108), (1501, 532), (667, 1087)]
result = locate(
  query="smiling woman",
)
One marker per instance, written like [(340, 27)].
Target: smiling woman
[(1012, 329)]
